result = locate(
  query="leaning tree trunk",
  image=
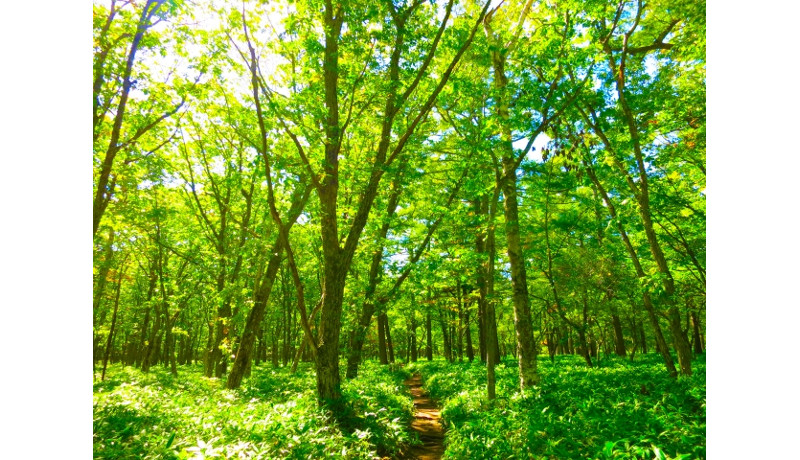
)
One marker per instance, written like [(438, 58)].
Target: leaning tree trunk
[(245, 350), (375, 271), (641, 193), (648, 303)]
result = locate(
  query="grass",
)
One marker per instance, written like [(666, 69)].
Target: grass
[(621, 410)]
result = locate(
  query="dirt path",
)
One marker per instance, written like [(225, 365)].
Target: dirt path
[(426, 422)]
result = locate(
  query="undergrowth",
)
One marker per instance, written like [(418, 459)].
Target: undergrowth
[(620, 410), (273, 416)]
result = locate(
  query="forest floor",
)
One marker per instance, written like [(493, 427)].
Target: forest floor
[(426, 423), (619, 409)]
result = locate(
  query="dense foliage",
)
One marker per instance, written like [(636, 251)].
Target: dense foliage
[(621, 409), (316, 185), (275, 415)]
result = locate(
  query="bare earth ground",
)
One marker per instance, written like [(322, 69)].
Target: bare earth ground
[(426, 422)]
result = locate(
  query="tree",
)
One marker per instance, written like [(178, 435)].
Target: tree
[(113, 82)]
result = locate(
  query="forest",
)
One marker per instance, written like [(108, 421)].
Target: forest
[(399, 229)]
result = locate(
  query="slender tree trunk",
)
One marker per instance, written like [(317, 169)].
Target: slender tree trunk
[(428, 336), (173, 360), (552, 345), (285, 315), (460, 327), (101, 280), (274, 356), (209, 345), (104, 190), (445, 337), (643, 338), (151, 345), (492, 341), (389, 344), (470, 351), (697, 337), (298, 354), (254, 318), (641, 193), (584, 347), (648, 304), (412, 333), (481, 332), (113, 323), (375, 275), (619, 340), (382, 341), (635, 337), (526, 348)]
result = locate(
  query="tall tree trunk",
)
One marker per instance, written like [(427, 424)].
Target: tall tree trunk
[(619, 339), (101, 280), (526, 347), (113, 322), (648, 304), (375, 276), (337, 259), (382, 340), (104, 190), (460, 326), (148, 354), (274, 355), (697, 336), (584, 347), (445, 336), (470, 351), (287, 325), (428, 336), (481, 330), (254, 318), (643, 338), (641, 193), (487, 294), (552, 345), (412, 333), (388, 331), (329, 389), (523, 326)]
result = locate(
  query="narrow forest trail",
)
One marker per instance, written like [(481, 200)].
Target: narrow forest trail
[(426, 422)]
